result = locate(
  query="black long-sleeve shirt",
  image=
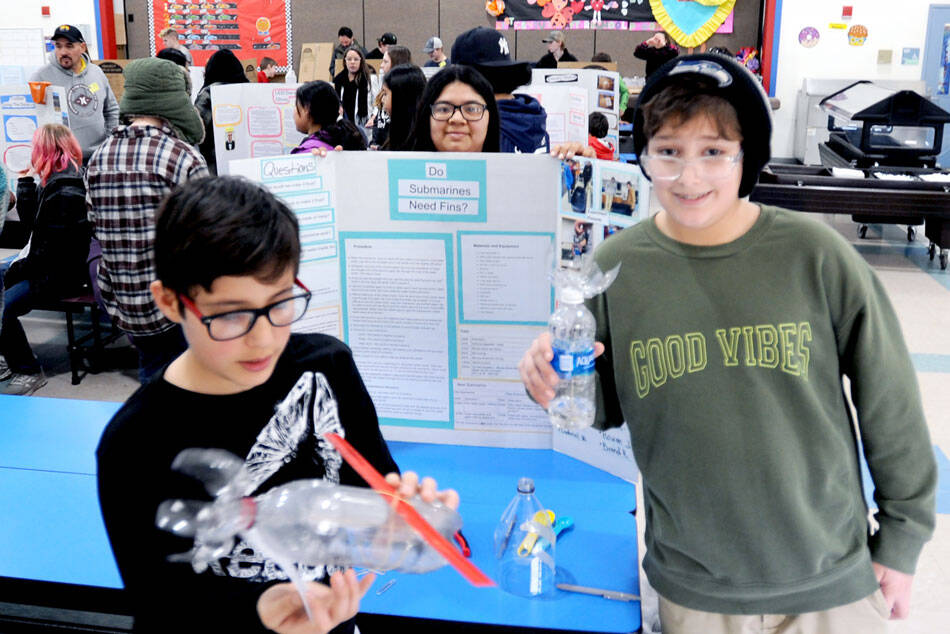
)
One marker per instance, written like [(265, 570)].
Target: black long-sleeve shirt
[(654, 57), (275, 428)]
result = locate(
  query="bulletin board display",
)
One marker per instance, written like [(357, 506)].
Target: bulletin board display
[(617, 15), (250, 28)]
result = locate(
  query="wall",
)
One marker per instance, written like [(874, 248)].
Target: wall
[(415, 22), (833, 58), (26, 14)]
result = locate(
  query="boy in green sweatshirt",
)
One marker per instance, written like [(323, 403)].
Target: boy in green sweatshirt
[(724, 342)]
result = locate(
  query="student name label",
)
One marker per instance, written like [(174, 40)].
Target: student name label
[(449, 191)]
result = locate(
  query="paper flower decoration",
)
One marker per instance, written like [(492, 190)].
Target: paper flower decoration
[(558, 12), (495, 7)]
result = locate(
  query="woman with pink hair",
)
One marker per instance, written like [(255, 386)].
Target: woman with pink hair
[(52, 265)]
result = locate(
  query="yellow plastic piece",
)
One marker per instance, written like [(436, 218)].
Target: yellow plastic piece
[(544, 518)]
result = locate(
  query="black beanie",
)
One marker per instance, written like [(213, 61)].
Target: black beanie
[(734, 83)]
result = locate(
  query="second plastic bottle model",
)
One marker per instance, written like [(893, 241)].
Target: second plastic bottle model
[(525, 544)]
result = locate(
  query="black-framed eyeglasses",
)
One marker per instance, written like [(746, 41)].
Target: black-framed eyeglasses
[(471, 111), (237, 323)]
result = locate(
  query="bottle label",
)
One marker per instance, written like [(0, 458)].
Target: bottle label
[(568, 364)]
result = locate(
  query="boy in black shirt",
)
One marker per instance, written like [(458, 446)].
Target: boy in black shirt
[(226, 258)]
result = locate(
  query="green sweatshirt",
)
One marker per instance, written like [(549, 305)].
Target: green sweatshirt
[(727, 362)]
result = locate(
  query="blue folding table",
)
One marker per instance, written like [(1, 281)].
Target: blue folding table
[(55, 550)]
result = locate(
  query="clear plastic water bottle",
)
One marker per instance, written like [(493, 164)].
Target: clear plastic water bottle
[(290, 77), (311, 522), (524, 545), (572, 337)]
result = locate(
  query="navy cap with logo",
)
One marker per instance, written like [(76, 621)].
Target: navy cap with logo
[(69, 32), (725, 78), (482, 46), (387, 38)]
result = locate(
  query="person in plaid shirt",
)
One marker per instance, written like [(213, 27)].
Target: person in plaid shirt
[(127, 177)]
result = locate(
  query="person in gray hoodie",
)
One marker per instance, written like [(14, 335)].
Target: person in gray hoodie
[(93, 109)]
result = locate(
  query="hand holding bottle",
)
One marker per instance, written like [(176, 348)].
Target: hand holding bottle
[(409, 485), (537, 374)]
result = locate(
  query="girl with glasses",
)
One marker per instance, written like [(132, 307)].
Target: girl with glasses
[(458, 113)]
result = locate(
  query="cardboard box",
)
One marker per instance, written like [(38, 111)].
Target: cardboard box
[(113, 69), (315, 61), (606, 65)]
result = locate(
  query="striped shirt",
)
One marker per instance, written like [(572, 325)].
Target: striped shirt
[(127, 178)]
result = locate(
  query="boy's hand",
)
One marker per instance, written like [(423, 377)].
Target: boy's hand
[(538, 376), (570, 150), (409, 485), (281, 609), (896, 587)]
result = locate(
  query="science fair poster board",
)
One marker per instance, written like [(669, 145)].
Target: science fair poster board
[(437, 279), (20, 117), (603, 93), (566, 107), (249, 28), (252, 121)]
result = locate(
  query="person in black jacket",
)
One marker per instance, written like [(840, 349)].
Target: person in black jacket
[(656, 51), (557, 51), (222, 68), (53, 263), (227, 254)]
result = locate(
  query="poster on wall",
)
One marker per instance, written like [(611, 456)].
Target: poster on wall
[(253, 120), (22, 51), (250, 28), (20, 116), (616, 15)]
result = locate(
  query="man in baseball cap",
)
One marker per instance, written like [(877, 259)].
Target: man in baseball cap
[(521, 117), (385, 40), (433, 49), (557, 51), (93, 109)]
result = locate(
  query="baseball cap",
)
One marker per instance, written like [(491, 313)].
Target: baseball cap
[(734, 83), (69, 32), (431, 44), (482, 46), (487, 51), (555, 36), (387, 38)]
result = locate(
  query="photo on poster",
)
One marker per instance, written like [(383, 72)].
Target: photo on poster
[(578, 186), (605, 100), (576, 240), (605, 82), (618, 191)]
